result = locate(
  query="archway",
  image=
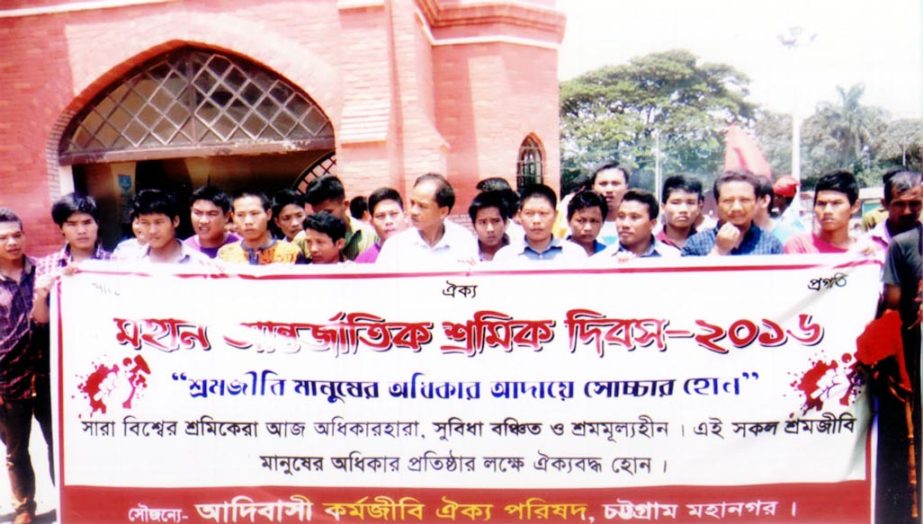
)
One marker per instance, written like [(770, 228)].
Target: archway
[(191, 117)]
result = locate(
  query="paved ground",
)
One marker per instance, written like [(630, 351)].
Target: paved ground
[(44, 490)]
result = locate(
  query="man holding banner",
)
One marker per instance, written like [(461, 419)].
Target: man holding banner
[(17, 363)]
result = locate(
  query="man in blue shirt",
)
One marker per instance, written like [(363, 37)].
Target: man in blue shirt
[(736, 234), (537, 212)]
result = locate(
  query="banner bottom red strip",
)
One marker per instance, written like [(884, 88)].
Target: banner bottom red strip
[(841, 502)]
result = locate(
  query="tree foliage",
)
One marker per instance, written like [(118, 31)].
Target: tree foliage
[(844, 134), (666, 100), (840, 135), (672, 103)]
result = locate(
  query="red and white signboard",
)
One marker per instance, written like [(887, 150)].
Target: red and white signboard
[(712, 390)]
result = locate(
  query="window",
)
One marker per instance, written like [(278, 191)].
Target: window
[(194, 98), (529, 166), (327, 165)]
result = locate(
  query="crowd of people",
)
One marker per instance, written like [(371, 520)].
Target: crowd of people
[(604, 222)]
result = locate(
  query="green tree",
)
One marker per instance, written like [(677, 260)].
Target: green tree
[(668, 100), (840, 135), (901, 144)]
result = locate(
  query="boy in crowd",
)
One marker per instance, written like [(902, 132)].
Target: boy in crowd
[(327, 194), (510, 197), (836, 199), (288, 214), (585, 214), (787, 221), (252, 212), (736, 234), (78, 218), (131, 247), (324, 238), (764, 198), (903, 198), (158, 218), (537, 213), (636, 219), (682, 199), (611, 181), (359, 209), (210, 212), (387, 211), (490, 215), (17, 362), (433, 240)]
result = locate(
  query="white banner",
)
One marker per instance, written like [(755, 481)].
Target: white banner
[(731, 372)]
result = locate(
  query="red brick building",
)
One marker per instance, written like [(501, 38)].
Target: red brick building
[(112, 96)]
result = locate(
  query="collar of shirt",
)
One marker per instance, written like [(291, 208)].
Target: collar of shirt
[(753, 241), (597, 245), (28, 267), (556, 244), (664, 239), (253, 254), (185, 253), (505, 241), (62, 257), (447, 241), (651, 250)]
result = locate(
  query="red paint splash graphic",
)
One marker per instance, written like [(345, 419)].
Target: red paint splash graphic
[(136, 377), (107, 384), (93, 387), (826, 381)]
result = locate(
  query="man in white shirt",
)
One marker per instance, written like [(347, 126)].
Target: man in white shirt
[(611, 181), (433, 240), (636, 218)]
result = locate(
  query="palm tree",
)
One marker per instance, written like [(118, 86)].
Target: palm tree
[(851, 125)]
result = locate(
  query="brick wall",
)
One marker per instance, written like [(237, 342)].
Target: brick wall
[(403, 101)]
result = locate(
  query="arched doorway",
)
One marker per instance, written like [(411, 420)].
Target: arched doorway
[(192, 117)]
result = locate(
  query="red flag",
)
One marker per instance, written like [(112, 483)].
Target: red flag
[(882, 339), (742, 153)]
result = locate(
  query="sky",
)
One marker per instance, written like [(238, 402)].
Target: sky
[(875, 43)]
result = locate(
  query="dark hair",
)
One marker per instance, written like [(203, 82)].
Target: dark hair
[(327, 187), (734, 176), (841, 182), (7, 215), (900, 181), (644, 197), (493, 184), (213, 195), (487, 200), (326, 224), (358, 206), (72, 203), (244, 193), (284, 198), (764, 187), (384, 193), (539, 191), (612, 164), (156, 202), (445, 195), (681, 183), (586, 199)]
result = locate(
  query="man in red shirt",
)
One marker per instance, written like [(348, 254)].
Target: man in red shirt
[(836, 199)]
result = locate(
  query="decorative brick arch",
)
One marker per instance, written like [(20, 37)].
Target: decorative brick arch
[(109, 57)]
